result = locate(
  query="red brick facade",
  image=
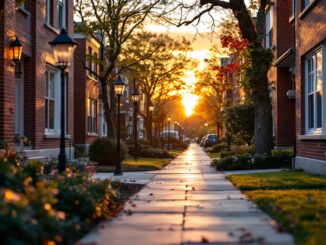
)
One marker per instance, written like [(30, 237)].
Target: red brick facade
[(310, 23), (29, 25), (280, 76), (86, 87)]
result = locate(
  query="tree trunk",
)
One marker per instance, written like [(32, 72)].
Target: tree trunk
[(262, 101), (108, 115)]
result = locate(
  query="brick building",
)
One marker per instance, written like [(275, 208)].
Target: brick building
[(88, 107), (279, 36), (87, 104), (29, 91), (310, 60)]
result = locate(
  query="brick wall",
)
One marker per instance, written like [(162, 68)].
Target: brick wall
[(284, 109), (85, 88), (7, 80), (310, 33), (30, 28)]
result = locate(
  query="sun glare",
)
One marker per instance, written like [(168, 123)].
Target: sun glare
[(189, 101)]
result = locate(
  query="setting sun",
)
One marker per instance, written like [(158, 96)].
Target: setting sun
[(189, 101)]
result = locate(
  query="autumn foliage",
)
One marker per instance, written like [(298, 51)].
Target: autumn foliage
[(237, 60)]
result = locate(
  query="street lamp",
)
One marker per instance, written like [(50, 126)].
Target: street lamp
[(63, 48), (119, 88), (169, 122), (17, 49), (135, 97), (151, 108)]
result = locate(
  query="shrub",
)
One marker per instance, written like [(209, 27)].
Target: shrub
[(103, 151), (218, 148), (146, 152), (226, 154), (36, 208), (258, 161), (239, 120)]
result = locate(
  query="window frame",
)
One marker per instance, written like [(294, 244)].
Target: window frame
[(55, 132), (63, 18), (49, 12), (315, 130), (92, 116), (56, 90)]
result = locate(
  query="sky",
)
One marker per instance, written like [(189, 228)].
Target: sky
[(201, 45)]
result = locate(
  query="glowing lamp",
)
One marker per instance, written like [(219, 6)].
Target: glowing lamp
[(135, 96), (119, 86), (151, 107), (17, 49), (63, 47)]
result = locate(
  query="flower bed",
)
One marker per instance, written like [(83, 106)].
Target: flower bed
[(38, 208)]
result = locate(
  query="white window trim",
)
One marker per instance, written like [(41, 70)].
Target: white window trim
[(322, 130), (57, 106)]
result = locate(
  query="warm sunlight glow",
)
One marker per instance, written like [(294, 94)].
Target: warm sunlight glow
[(189, 102)]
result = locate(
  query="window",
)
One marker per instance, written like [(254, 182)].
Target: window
[(89, 62), (95, 64), (92, 116), (48, 12), (269, 27), (314, 92), (61, 14), (50, 100)]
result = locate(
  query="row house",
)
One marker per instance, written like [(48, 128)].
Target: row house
[(296, 32), (280, 39), (29, 89), (89, 116)]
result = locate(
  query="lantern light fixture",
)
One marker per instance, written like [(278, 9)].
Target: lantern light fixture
[(135, 96), (119, 86), (151, 107), (63, 47), (17, 49)]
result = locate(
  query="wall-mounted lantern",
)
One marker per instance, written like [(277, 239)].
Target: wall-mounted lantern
[(291, 94), (16, 49)]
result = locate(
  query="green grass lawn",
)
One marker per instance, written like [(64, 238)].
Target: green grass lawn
[(142, 164), (176, 153), (297, 200), (213, 155)]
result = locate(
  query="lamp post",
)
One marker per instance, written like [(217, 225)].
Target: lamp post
[(151, 108), (179, 131), (63, 48), (135, 97), (169, 122), (119, 88)]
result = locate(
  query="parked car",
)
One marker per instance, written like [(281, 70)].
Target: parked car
[(171, 134), (210, 140), (203, 141)]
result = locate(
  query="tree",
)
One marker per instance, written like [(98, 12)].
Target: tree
[(252, 29), (114, 23), (161, 74), (220, 79), (239, 120)]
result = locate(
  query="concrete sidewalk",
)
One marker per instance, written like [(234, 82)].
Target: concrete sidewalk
[(189, 203)]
